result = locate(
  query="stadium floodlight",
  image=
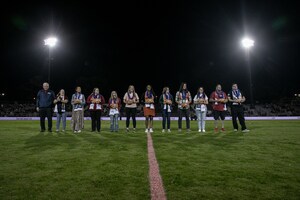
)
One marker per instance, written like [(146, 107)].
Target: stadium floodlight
[(247, 43), (50, 42)]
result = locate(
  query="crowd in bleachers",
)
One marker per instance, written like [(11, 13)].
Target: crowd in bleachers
[(18, 110), (269, 109), (272, 110)]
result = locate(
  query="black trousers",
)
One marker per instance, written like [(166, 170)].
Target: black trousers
[(166, 119), (96, 120), (45, 112), (238, 112), (130, 112), (184, 113)]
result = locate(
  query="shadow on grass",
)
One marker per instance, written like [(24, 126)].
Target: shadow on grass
[(45, 141), (195, 139), (221, 139), (69, 140)]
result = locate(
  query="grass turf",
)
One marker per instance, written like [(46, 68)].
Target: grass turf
[(264, 164), (69, 166)]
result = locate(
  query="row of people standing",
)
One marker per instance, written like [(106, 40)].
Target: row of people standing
[(218, 99), (95, 103), (46, 98), (183, 99)]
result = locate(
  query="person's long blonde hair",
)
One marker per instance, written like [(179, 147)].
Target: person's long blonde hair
[(165, 90), (111, 94)]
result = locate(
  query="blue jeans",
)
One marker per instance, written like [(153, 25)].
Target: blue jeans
[(114, 122), (61, 117), (201, 116), (166, 118)]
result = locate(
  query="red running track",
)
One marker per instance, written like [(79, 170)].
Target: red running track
[(156, 184)]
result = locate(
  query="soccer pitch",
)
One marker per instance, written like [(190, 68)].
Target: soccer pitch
[(263, 164)]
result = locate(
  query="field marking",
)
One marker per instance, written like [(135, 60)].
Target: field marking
[(156, 184)]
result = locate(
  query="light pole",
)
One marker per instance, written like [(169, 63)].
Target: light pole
[(50, 42), (247, 43)]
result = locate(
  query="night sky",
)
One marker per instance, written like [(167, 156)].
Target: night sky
[(112, 45)]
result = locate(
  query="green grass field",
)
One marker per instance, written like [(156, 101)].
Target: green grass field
[(264, 164)]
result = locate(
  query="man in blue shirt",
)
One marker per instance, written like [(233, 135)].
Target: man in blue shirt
[(44, 104)]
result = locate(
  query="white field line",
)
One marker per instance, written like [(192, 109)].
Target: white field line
[(156, 184)]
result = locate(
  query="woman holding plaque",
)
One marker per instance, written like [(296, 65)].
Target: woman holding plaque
[(200, 101), (183, 99), (60, 109), (114, 104), (95, 101), (166, 100), (149, 109), (78, 102), (130, 99)]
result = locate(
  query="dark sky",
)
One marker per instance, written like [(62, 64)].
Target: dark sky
[(112, 45)]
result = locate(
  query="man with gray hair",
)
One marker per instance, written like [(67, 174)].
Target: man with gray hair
[(44, 104)]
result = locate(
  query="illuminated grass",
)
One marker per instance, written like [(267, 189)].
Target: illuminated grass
[(264, 164)]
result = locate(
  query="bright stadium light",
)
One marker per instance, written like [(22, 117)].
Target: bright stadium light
[(247, 43), (50, 42)]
